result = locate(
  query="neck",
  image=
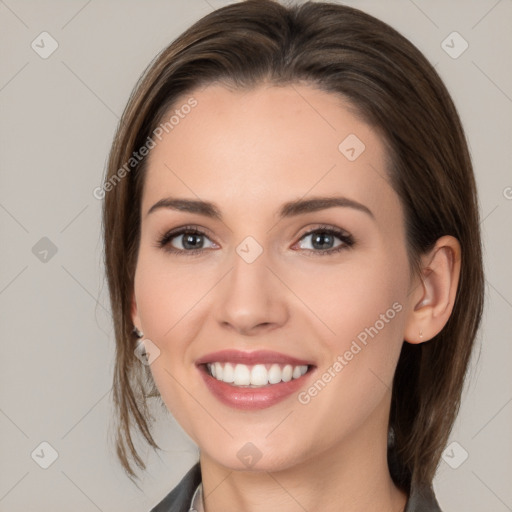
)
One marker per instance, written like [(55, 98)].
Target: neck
[(352, 476)]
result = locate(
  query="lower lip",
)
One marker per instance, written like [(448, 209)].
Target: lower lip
[(252, 398)]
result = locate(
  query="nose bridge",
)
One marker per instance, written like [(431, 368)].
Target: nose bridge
[(251, 296)]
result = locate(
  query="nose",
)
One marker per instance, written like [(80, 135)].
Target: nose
[(251, 299)]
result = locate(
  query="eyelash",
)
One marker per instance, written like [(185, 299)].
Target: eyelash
[(165, 239)]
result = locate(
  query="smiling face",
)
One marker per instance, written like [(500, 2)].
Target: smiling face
[(266, 264)]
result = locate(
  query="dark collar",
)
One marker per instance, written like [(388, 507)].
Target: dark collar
[(179, 499), (421, 499)]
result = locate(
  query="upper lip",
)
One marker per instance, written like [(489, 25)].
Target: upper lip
[(250, 358)]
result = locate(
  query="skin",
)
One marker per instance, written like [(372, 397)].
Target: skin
[(249, 152)]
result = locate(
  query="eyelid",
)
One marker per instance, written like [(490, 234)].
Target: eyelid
[(325, 227)]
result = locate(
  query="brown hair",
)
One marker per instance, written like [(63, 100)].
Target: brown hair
[(394, 88)]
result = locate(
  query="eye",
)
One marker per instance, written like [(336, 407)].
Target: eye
[(187, 239), (326, 240)]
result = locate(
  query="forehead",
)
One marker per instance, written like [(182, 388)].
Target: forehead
[(267, 145)]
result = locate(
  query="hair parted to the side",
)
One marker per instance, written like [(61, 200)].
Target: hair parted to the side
[(393, 87)]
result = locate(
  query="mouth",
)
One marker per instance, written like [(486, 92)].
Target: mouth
[(253, 380)]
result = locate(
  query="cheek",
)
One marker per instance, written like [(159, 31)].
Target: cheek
[(165, 295), (170, 302), (354, 297), (165, 301), (364, 307)]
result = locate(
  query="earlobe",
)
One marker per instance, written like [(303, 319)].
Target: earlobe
[(135, 314), (433, 301)]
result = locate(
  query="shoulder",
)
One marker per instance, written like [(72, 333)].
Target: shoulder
[(179, 499), (422, 499)]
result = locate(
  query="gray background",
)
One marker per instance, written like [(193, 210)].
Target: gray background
[(58, 116)]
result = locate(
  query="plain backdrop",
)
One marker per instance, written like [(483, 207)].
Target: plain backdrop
[(58, 117)]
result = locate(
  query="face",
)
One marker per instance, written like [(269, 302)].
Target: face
[(247, 271)]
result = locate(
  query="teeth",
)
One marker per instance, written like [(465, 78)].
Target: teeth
[(274, 374), (242, 375), (259, 375), (228, 375), (256, 375), (287, 373), (218, 371)]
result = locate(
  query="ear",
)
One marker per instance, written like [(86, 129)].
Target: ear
[(433, 298), (135, 314)]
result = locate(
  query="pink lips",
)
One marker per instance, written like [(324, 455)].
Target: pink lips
[(248, 398), (255, 357)]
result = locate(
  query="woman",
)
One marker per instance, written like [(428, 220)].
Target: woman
[(292, 236)]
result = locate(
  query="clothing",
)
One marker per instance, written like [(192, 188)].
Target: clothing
[(180, 498)]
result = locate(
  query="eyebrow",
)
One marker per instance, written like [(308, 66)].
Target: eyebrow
[(289, 209)]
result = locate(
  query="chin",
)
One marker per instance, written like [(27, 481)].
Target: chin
[(251, 458)]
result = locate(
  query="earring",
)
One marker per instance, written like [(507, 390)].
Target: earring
[(138, 333)]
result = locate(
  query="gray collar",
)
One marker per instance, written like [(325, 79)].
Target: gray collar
[(197, 500)]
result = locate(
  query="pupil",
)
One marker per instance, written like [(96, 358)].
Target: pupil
[(321, 240), (188, 241)]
